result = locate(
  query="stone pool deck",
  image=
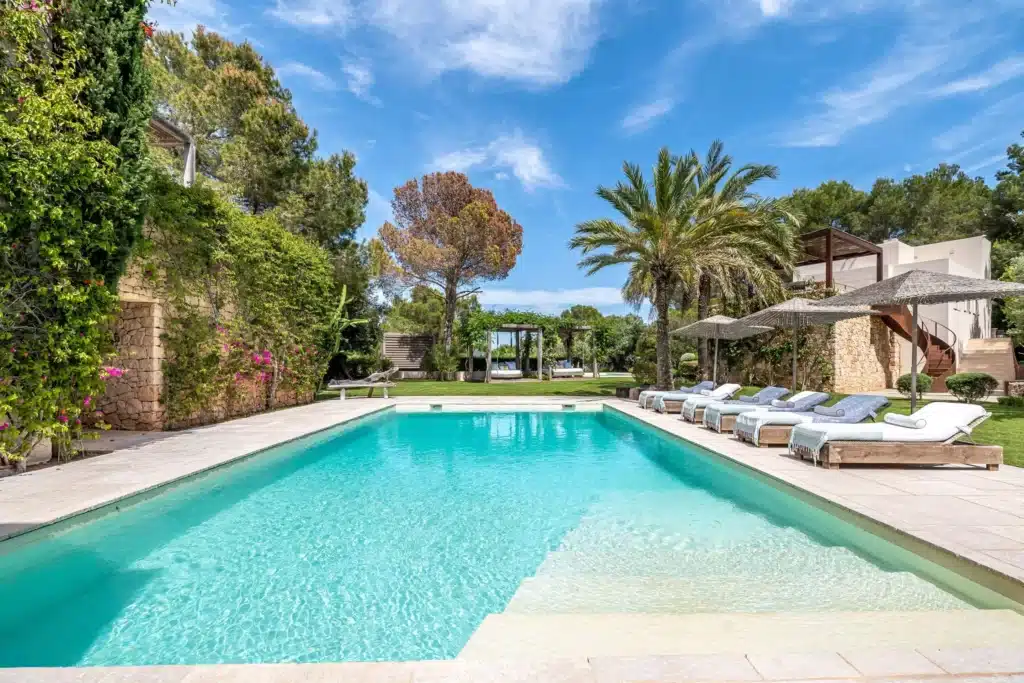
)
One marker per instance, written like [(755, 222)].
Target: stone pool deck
[(970, 518)]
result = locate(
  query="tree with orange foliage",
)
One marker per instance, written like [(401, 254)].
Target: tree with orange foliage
[(450, 235)]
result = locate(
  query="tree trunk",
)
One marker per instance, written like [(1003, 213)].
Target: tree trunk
[(275, 379), (662, 347), (703, 308), (451, 300)]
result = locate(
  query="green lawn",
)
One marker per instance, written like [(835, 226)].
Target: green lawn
[(1005, 428), (562, 387)]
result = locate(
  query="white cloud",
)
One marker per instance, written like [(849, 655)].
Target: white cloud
[(314, 13), (512, 152), (995, 75), (552, 299), (938, 38), (538, 42), (642, 116), (501, 175), (318, 79), (184, 15), (360, 79), (995, 122), (986, 163)]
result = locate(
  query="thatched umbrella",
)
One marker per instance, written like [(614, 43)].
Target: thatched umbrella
[(798, 313), (916, 287), (719, 327)]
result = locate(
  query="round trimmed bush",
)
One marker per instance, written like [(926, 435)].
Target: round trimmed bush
[(970, 387), (688, 358), (924, 384)]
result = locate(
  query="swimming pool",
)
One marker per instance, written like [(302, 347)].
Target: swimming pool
[(392, 538)]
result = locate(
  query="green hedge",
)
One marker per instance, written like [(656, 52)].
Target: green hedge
[(971, 387)]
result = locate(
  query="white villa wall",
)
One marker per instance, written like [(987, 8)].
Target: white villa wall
[(969, 257)]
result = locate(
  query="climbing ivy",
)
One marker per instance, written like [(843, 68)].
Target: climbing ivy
[(62, 197)]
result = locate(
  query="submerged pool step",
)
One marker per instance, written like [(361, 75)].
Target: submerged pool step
[(543, 636), (722, 593)]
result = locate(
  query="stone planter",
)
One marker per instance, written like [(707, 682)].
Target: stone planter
[(622, 392), (1015, 388), (634, 393)]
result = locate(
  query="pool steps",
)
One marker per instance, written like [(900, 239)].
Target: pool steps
[(545, 636)]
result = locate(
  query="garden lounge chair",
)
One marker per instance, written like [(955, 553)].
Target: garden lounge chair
[(507, 370), (564, 369), (927, 437), (377, 380), (722, 416), (695, 405), (647, 397), (770, 426)]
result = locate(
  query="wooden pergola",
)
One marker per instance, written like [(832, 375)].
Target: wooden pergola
[(518, 328), (829, 245)]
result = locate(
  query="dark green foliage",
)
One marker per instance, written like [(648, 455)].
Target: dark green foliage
[(1011, 401), (971, 387), (111, 35), (924, 384)]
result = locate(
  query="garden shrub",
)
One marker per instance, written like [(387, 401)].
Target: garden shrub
[(1011, 401), (924, 384), (970, 387)]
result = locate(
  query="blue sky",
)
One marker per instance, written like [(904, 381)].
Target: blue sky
[(542, 100)]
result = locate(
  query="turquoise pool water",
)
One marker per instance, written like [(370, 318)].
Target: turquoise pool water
[(392, 540)]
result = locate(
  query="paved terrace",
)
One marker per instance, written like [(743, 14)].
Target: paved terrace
[(974, 515)]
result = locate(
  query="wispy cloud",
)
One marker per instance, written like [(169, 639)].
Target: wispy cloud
[(986, 163), (995, 122), (537, 42), (552, 300), (185, 15), (359, 79), (512, 152), (995, 75), (314, 13), (318, 79), (937, 40), (641, 117)]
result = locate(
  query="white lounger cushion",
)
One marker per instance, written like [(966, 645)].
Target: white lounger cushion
[(706, 398), (720, 394), (906, 421), (943, 421), (507, 374)]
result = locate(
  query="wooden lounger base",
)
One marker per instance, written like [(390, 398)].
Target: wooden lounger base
[(771, 435), (838, 453), (726, 424), (673, 407), (698, 416)]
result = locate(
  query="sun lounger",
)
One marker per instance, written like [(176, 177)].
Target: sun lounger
[(925, 438), (647, 397), (770, 426), (692, 408), (378, 380), (722, 416)]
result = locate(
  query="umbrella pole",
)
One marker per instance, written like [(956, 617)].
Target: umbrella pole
[(913, 362), (714, 372), (796, 340)]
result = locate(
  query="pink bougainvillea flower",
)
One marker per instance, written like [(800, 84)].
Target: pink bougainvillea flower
[(63, 419), (5, 426), (78, 422), (87, 401)]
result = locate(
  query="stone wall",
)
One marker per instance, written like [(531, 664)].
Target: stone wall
[(132, 401), (245, 398), (1015, 388), (865, 355)]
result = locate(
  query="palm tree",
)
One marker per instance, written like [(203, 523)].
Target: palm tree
[(702, 225)]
